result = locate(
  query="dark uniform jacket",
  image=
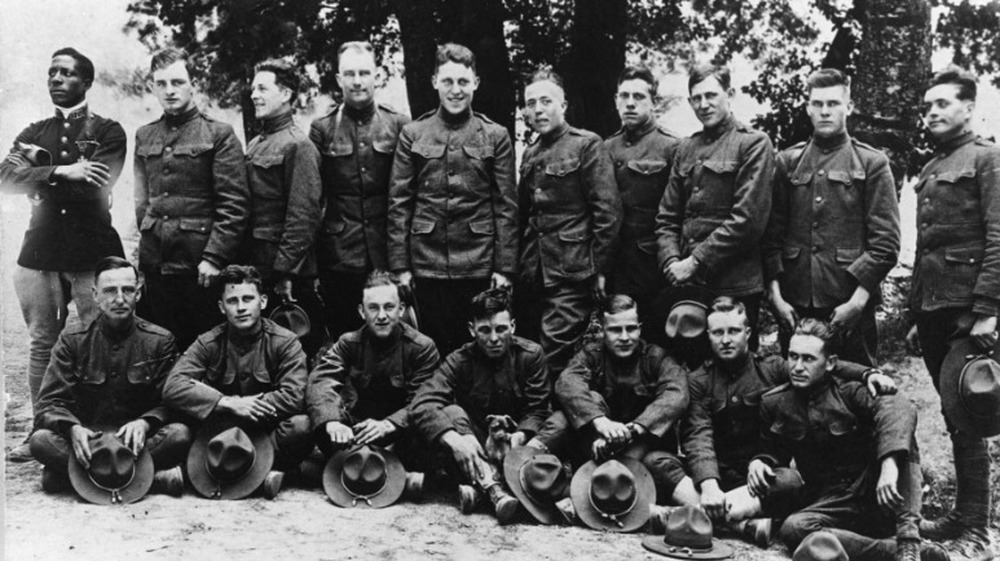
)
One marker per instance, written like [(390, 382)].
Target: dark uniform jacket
[(642, 167), (648, 388), (357, 150), (570, 208), (217, 364), (834, 222), (957, 262), (103, 377), (722, 426), (453, 208), (516, 385), (363, 377), (191, 195), (834, 431), (70, 228), (283, 174), (716, 206)]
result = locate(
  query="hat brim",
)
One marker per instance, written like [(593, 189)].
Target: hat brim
[(579, 491), (950, 384), (544, 512), (135, 490), (394, 485), (293, 318), (197, 460), (656, 544), (693, 323)]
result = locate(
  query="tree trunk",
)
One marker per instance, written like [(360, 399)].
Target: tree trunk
[(481, 30), (596, 58), (418, 27)]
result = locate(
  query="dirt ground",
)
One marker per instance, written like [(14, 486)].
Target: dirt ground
[(302, 523)]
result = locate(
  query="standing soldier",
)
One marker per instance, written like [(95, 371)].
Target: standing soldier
[(642, 151), (956, 278), (453, 212), (283, 174), (834, 228), (191, 203), (570, 213), (715, 206), (356, 140), (67, 165)]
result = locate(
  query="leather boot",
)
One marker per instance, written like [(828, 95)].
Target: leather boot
[(414, 485), (55, 482), (755, 530), (168, 482), (504, 505), (469, 498), (272, 484), (967, 523)]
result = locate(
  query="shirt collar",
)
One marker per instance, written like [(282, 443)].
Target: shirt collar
[(181, 118), (274, 124), (78, 111), (951, 144), (727, 124), (642, 130)]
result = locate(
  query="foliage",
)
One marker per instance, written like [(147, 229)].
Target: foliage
[(970, 30)]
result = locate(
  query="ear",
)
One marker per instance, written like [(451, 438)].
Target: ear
[(475, 83), (222, 308), (340, 81), (513, 326), (472, 330), (138, 291), (731, 92), (263, 301), (93, 291), (361, 310), (831, 362), (850, 107)]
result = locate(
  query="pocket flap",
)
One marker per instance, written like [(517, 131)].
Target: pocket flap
[(848, 255), (151, 149), (147, 223), (954, 176), (722, 166), (192, 149), (800, 178), (963, 255), (429, 151), (147, 371), (838, 176), (563, 168), (421, 227), (791, 252), (93, 376), (269, 233), (647, 167), (196, 224), (842, 427), (481, 227), (267, 160), (478, 152), (335, 227), (788, 430), (384, 146), (343, 148), (575, 237)]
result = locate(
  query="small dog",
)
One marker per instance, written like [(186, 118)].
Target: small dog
[(498, 442)]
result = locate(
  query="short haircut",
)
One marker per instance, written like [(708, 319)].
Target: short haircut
[(240, 274), (285, 74), (379, 278), (111, 263), (491, 302), (356, 46), (618, 303), (702, 72), (822, 331), (453, 52), (165, 57), (640, 73), (83, 64), (828, 78), (726, 304), (965, 80), (543, 73)]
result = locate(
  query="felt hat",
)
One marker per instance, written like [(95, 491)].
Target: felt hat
[(681, 310), (970, 388), (368, 476), (614, 495), (115, 475), (688, 536), (820, 546), (229, 459), (292, 317), (538, 480)]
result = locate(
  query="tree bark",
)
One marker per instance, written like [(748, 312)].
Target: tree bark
[(481, 29), (418, 25), (596, 58)]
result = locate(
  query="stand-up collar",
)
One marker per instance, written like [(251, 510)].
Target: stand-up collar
[(556, 133), (115, 332), (361, 115), (831, 142), (455, 120), (640, 131), (274, 124), (726, 125), (951, 144), (78, 111), (181, 118)]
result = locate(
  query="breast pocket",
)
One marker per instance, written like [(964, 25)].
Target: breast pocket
[(716, 184), (480, 159)]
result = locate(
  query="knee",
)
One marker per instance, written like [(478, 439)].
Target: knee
[(295, 427), (177, 433), (49, 448), (795, 528)]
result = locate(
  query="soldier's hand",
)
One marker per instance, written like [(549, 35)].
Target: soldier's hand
[(713, 500), (94, 173), (913, 341), (785, 313), (283, 287), (468, 454), (207, 273), (679, 272), (880, 384), (133, 434), (250, 407), (846, 316), (599, 292), (518, 439), (612, 431), (79, 437), (406, 278), (339, 433), (984, 332), (759, 477), (885, 490), (370, 430), (599, 449), (499, 280)]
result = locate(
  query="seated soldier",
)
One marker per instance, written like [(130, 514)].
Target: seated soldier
[(857, 455), (458, 410), (361, 388), (109, 374), (250, 368)]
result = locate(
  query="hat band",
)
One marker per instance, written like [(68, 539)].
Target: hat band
[(358, 496), (116, 497), (613, 517), (217, 493)]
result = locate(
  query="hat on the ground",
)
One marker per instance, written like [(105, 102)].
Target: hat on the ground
[(820, 546), (970, 388), (614, 495), (229, 459), (538, 479), (115, 475), (682, 310), (367, 476), (292, 317), (688, 536)]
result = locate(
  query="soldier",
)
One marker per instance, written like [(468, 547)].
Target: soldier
[(191, 203), (642, 151), (956, 278), (717, 200), (570, 215), (283, 174), (453, 208), (834, 228), (361, 388), (857, 455), (458, 410), (357, 141), (249, 368), (108, 375), (67, 165)]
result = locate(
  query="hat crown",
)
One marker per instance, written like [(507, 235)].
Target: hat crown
[(613, 488), (687, 319), (365, 472), (230, 455), (980, 387), (820, 546), (293, 318), (689, 526), (544, 478), (112, 464)]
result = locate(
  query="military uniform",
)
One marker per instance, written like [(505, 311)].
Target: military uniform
[(570, 212), (363, 377), (269, 363), (102, 377), (357, 148), (838, 435), (642, 167), (452, 216), (834, 226), (70, 227), (715, 208), (191, 204)]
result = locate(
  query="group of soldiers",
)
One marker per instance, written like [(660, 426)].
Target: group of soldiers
[(418, 250)]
